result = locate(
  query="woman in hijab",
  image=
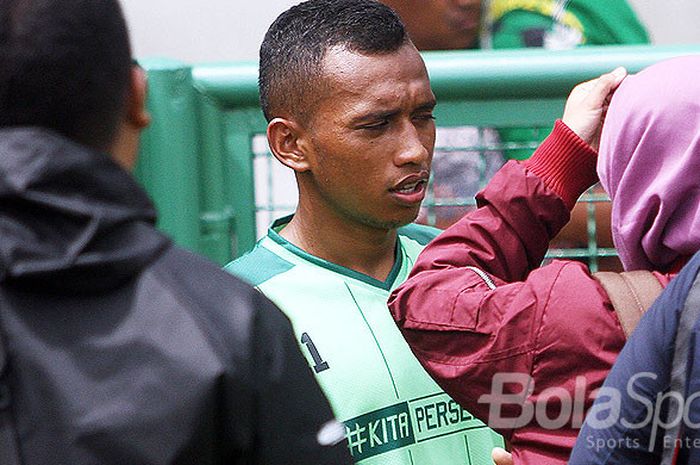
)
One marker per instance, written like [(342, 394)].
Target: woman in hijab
[(650, 164)]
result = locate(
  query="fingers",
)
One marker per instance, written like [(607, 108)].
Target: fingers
[(619, 73), (587, 105), (603, 87), (501, 456)]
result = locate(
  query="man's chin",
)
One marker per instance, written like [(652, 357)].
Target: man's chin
[(396, 223), (409, 218)]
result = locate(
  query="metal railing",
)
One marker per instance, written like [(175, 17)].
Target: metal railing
[(205, 161)]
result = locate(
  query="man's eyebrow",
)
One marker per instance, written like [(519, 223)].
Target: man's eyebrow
[(390, 113), (429, 105), (376, 115)]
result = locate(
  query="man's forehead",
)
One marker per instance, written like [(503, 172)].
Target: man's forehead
[(344, 69), (353, 85)]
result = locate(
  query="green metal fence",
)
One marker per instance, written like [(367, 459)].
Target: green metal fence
[(206, 163)]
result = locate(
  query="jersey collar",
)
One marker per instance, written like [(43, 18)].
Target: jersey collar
[(279, 224)]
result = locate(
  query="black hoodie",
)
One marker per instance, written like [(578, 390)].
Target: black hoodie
[(120, 348)]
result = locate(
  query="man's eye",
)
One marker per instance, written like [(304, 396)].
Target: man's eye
[(376, 125), (425, 117)]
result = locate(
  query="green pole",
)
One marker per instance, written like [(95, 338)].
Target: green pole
[(168, 161), (217, 213)]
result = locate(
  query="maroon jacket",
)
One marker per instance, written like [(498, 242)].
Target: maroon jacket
[(478, 304)]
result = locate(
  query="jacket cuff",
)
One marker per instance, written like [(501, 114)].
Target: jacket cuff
[(565, 163)]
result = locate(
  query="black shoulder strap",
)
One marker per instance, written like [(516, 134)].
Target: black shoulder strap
[(688, 317), (9, 448)]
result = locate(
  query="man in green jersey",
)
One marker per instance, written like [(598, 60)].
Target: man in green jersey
[(349, 106), (561, 24)]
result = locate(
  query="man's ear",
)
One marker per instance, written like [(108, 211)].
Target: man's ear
[(287, 141), (125, 146), (136, 114)]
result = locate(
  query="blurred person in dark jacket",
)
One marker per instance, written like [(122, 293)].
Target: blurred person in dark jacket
[(116, 347)]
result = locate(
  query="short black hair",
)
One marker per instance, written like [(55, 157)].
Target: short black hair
[(64, 65), (296, 43)]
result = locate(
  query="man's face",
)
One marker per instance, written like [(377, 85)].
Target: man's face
[(371, 137), (440, 24)]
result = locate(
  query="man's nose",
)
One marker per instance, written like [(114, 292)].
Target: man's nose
[(413, 148)]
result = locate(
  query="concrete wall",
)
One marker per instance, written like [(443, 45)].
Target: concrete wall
[(216, 30), (200, 31), (670, 21)]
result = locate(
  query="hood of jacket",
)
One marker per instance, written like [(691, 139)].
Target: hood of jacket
[(71, 220)]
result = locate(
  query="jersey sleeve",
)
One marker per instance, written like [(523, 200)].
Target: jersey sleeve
[(294, 421)]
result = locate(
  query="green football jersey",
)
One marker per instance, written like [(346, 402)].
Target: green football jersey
[(560, 24), (394, 413)]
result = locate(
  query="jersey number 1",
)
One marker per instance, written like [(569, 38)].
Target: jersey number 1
[(319, 364)]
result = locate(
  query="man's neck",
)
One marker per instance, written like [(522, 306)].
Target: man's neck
[(361, 248)]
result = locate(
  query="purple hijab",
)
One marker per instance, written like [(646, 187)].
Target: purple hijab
[(649, 164)]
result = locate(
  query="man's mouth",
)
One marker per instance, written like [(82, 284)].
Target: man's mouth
[(411, 189)]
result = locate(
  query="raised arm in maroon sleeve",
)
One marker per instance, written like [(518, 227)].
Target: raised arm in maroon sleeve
[(477, 307)]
